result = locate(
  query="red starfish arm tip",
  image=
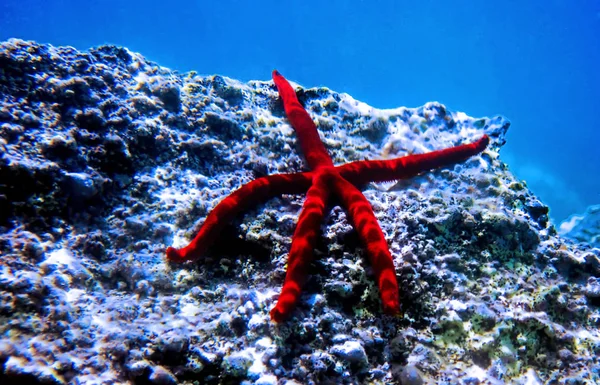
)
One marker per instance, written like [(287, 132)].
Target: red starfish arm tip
[(301, 251), (314, 151), (481, 144), (250, 194), (176, 255)]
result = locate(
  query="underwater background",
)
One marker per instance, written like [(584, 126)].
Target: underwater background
[(427, 255), (535, 62)]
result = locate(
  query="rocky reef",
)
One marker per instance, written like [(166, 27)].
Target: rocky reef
[(583, 227), (107, 159)]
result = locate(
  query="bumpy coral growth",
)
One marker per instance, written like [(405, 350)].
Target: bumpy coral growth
[(107, 159)]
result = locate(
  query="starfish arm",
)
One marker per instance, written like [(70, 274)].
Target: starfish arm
[(250, 194), (364, 221), (303, 243), (314, 151), (365, 171)]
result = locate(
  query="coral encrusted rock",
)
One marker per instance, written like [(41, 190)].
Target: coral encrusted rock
[(584, 227), (106, 159)]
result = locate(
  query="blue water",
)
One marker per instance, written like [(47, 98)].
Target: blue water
[(535, 62)]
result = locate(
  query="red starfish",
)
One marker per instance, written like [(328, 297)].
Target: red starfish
[(321, 184)]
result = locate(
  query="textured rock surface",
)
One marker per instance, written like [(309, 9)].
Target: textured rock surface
[(584, 227), (107, 159)]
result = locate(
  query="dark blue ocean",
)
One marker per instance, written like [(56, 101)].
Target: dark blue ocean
[(535, 62)]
